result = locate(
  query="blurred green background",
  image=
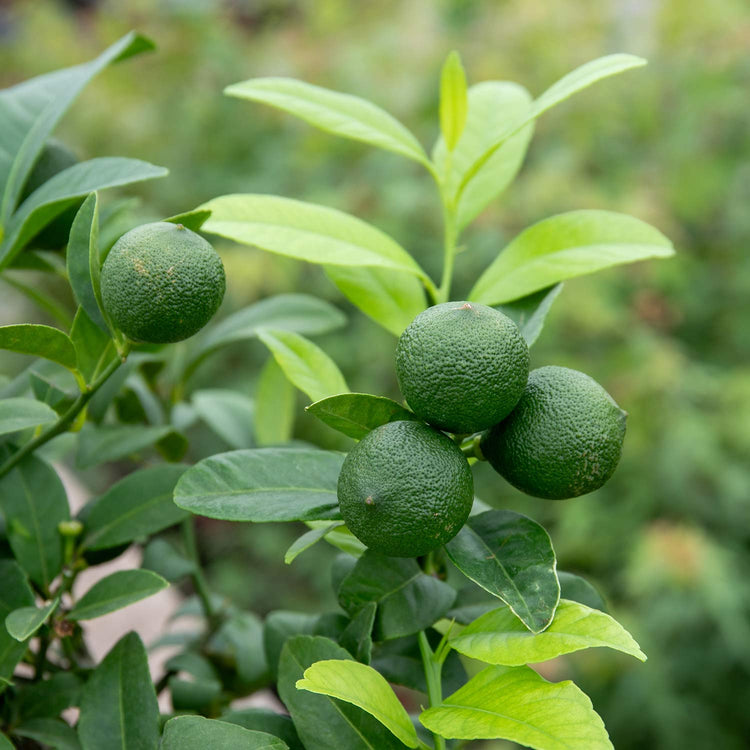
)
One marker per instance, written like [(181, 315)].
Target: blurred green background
[(667, 541)]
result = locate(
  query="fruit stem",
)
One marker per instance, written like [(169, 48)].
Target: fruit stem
[(433, 667), (472, 447)]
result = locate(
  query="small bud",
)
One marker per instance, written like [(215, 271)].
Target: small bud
[(70, 528)]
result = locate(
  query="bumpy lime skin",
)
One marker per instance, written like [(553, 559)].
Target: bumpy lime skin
[(405, 489), (162, 283), (563, 439), (462, 366)]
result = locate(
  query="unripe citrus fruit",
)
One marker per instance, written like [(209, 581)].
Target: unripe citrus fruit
[(563, 439), (462, 366), (161, 283), (405, 489)]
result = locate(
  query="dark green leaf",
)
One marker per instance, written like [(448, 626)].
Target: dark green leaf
[(53, 733), (196, 695), (275, 399), (94, 348), (22, 623), (268, 484), (118, 706), (48, 392), (263, 720), (39, 341), (19, 413), (356, 414), (228, 413), (97, 445), (161, 557), (580, 590), (198, 733), (116, 591), (14, 593), (5, 743), (49, 697), (510, 556), (192, 220), (357, 638), (530, 312), (173, 446), (136, 506), (408, 600), (239, 645), (278, 628)]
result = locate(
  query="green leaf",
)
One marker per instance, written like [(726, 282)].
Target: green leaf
[(453, 100), (41, 298), (529, 313), (306, 365), (308, 539), (342, 539), (580, 590), (63, 190), (279, 627), (116, 591), (493, 105), (510, 556), (97, 445), (361, 685), (516, 704), (323, 722), (39, 341), (24, 622), (408, 600), (305, 231), (33, 502), (356, 414), (264, 720), (563, 247), (5, 743), (50, 732), (267, 484), (498, 637), (198, 733), (192, 220), (48, 697), (239, 644), (391, 298), (341, 114), (274, 406), (228, 413), (579, 79), (118, 706), (14, 593), (19, 413), (357, 638), (162, 557), (82, 259), (94, 348)]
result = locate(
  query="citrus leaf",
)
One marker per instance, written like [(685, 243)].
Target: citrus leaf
[(5, 743), (361, 685), (305, 231), (306, 365), (199, 733), (498, 637), (118, 705), (39, 341), (510, 556), (265, 720), (20, 413), (529, 313), (341, 114), (192, 220), (267, 484), (563, 247), (99, 444), (275, 400), (15, 593), (228, 413), (307, 540), (580, 590), (357, 637), (24, 622), (516, 704), (162, 558), (356, 414), (53, 733), (94, 348), (453, 101)]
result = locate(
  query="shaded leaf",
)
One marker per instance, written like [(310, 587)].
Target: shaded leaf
[(357, 638), (356, 414), (199, 733), (94, 348), (19, 413), (529, 313), (275, 399), (116, 591), (228, 413), (264, 720), (578, 589), (39, 341), (53, 733), (14, 593), (162, 557), (49, 697), (97, 445)]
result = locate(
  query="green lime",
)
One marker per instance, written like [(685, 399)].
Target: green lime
[(405, 489), (563, 439), (161, 283), (462, 366)]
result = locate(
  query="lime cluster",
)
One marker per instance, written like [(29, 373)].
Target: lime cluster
[(463, 369)]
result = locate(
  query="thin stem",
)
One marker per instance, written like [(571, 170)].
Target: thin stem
[(199, 579), (433, 674)]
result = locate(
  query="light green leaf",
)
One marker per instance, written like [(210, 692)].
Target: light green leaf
[(198, 733), (192, 220), (391, 298), (115, 592), (20, 413), (267, 484), (498, 637), (516, 704), (564, 246), (342, 539), (275, 400), (308, 539), (228, 413), (39, 341), (453, 100), (53, 733), (363, 686), (305, 231), (341, 114), (307, 366), (24, 622)]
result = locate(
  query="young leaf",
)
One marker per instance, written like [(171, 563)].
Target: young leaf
[(99, 444), (198, 733), (453, 100), (408, 600), (94, 348), (192, 220), (357, 637), (498, 637), (118, 706), (356, 414), (516, 704), (19, 413), (341, 114), (50, 732), (39, 341), (115, 592), (323, 722), (361, 685), (308, 539), (529, 313), (275, 400), (563, 247), (137, 506), (391, 298), (305, 231), (267, 484), (510, 556), (306, 365), (228, 413), (34, 502), (24, 622)]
